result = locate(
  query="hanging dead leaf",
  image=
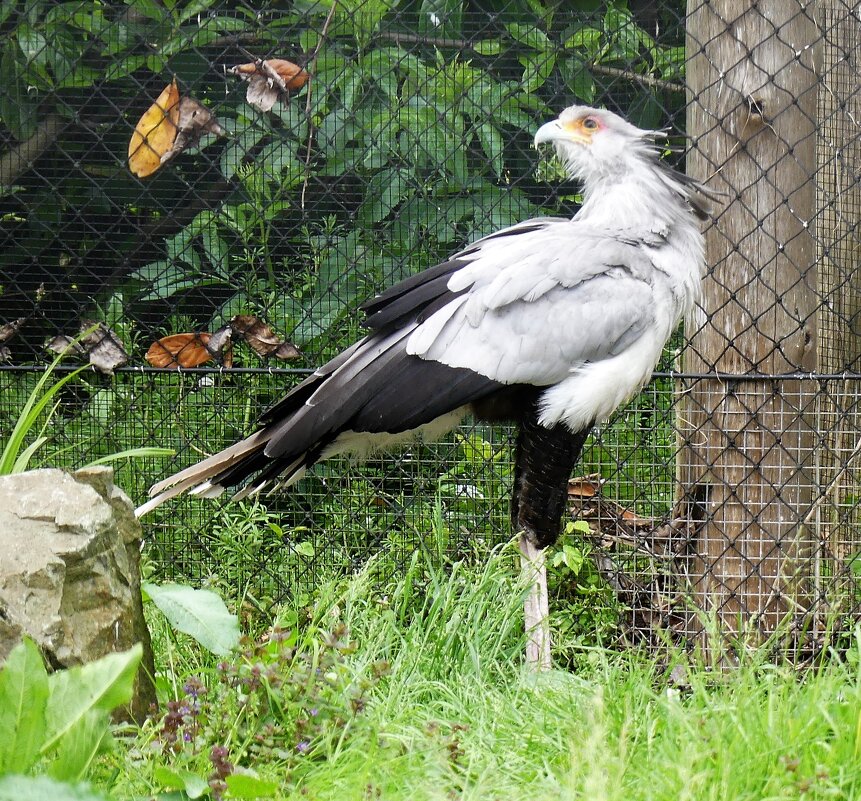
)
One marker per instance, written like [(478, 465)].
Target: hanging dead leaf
[(8, 330), (222, 342), (261, 338), (104, 347), (169, 126), (180, 350), (221, 339), (288, 351), (633, 519), (585, 486), (155, 133), (62, 344), (270, 80), (193, 121), (5, 354)]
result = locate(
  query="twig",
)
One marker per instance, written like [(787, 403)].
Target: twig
[(312, 62), (20, 157), (646, 80)]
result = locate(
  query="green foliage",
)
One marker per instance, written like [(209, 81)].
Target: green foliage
[(16, 457), (198, 613), (14, 787), (37, 415), (279, 703), (421, 693), (402, 151), (586, 610), (58, 723)]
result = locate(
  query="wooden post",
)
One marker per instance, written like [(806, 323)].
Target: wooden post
[(745, 460)]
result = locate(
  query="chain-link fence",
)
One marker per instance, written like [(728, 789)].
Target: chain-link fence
[(318, 152)]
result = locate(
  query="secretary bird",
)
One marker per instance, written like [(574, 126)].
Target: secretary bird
[(551, 324)]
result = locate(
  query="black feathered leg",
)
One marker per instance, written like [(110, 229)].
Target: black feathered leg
[(544, 459)]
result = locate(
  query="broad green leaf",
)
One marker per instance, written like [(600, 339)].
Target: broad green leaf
[(487, 47), (442, 18), (191, 784), (625, 35), (163, 279), (23, 699), (78, 748), (6, 8), (247, 785), (536, 69), (150, 9), (198, 613), (305, 549), (194, 8), (18, 107), (121, 67), (491, 144), (587, 38), (237, 150), (101, 685), (530, 36), (384, 191), (42, 788), (578, 79)]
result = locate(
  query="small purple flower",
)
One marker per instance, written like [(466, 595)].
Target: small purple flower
[(303, 747), (194, 687), (313, 712)]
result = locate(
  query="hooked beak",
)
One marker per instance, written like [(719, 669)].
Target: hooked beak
[(555, 131)]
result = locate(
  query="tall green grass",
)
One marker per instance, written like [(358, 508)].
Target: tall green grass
[(457, 715)]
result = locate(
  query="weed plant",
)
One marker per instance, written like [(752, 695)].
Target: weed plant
[(413, 687)]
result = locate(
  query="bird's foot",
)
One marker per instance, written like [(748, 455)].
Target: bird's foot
[(536, 609)]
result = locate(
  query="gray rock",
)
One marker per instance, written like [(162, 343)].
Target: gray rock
[(70, 572)]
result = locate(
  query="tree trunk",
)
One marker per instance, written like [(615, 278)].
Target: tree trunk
[(745, 461)]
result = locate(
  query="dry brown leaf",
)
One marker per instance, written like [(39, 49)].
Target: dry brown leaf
[(261, 338), (270, 80), (8, 330), (168, 127), (221, 339), (105, 348), (155, 133), (62, 343), (193, 121), (180, 350), (585, 486), (288, 351)]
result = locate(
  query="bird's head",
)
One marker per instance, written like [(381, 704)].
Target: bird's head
[(596, 142)]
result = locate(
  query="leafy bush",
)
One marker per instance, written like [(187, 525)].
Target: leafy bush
[(57, 724)]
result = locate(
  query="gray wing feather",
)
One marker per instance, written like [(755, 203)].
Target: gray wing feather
[(538, 307)]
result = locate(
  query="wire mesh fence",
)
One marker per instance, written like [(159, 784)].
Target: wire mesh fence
[(318, 152)]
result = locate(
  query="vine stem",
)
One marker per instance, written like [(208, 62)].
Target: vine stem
[(310, 68)]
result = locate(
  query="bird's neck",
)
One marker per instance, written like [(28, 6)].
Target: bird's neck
[(642, 197)]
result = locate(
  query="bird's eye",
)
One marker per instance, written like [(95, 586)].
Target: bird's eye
[(590, 124)]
